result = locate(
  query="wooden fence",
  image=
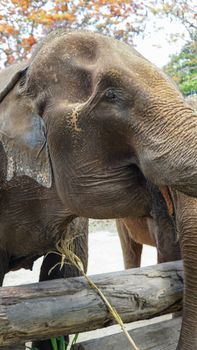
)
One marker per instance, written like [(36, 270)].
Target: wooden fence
[(42, 310)]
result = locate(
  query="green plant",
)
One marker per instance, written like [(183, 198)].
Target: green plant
[(59, 343), (183, 69)]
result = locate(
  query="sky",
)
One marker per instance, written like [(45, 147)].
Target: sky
[(156, 46)]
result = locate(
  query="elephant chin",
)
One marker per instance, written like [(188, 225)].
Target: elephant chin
[(109, 203), (109, 193)]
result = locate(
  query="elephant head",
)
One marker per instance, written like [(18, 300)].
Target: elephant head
[(92, 116), (96, 116)]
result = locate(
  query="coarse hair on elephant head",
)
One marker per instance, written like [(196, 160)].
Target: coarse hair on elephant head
[(91, 114)]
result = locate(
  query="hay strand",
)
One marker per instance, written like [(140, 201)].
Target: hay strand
[(64, 247)]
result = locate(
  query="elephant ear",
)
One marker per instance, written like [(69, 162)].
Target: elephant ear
[(22, 130)]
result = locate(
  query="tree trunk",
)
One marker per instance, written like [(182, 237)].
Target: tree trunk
[(66, 306)]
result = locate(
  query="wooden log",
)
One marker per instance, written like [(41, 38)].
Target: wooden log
[(14, 347), (66, 306), (157, 336)]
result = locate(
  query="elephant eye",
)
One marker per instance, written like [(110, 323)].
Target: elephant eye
[(111, 96)]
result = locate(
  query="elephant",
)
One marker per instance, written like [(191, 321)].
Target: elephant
[(91, 118), (158, 229), (32, 221)]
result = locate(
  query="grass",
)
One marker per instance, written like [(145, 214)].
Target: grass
[(59, 343)]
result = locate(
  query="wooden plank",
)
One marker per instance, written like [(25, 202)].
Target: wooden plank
[(159, 336), (57, 307)]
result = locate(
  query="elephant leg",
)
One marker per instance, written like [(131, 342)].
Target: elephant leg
[(187, 228), (168, 247), (78, 228), (4, 261), (131, 250)]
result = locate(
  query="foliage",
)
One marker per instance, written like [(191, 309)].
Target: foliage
[(22, 22), (55, 341), (183, 11), (58, 343), (183, 68)]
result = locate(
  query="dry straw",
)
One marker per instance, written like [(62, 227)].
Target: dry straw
[(64, 248)]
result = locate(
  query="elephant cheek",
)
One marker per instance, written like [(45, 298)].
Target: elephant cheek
[(153, 168), (163, 169)]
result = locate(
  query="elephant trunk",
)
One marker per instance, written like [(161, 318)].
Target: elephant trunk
[(187, 228), (170, 146)]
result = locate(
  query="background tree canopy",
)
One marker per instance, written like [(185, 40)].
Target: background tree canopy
[(183, 68), (23, 22)]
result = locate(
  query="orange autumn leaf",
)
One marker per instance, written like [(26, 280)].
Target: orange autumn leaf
[(28, 42), (22, 22), (31, 40), (6, 28), (63, 16)]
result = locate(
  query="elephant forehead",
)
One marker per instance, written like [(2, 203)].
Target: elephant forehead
[(85, 47), (71, 64)]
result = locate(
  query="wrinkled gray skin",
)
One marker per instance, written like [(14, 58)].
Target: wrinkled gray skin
[(32, 220), (158, 229), (186, 211), (92, 117)]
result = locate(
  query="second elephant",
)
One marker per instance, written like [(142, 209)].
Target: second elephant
[(157, 229)]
